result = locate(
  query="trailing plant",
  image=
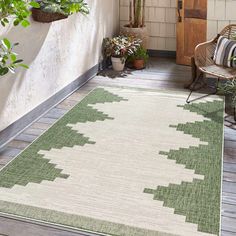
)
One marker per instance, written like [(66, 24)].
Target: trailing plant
[(140, 54), (8, 58), (120, 46), (65, 7), (137, 13), (18, 10)]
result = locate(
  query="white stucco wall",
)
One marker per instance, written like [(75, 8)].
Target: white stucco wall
[(57, 53), (160, 21)]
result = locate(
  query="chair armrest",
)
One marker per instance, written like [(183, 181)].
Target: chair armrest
[(204, 53)]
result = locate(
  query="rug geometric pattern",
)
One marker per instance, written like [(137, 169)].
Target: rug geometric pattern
[(124, 162)]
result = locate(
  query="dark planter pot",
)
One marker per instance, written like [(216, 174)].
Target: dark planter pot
[(46, 17), (139, 64)]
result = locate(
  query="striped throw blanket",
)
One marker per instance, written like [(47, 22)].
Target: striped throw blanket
[(225, 52)]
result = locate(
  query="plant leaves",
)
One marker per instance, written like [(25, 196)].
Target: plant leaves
[(6, 43), (34, 4)]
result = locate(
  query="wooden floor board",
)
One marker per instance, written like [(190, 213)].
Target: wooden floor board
[(160, 74)]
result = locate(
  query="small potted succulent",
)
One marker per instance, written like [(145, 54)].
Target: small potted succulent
[(53, 10), (139, 58), (119, 48)]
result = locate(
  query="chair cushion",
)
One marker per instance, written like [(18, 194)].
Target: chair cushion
[(225, 51)]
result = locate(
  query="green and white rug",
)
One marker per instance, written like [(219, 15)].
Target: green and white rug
[(124, 162)]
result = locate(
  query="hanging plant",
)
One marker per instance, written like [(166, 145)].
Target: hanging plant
[(52, 10)]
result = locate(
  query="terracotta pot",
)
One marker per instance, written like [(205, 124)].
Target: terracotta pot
[(139, 64), (118, 64), (141, 33)]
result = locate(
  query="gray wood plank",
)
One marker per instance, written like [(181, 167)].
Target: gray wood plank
[(47, 120), (11, 152), (229, 210), (228, 224), (26, 137), (33, 131), (229, 176), (229, 187), (13, 227), (229, 198), (4, 160), (55, 113), (230, 134), (38, 125), (227, 233), (18, 144), (230, 167)]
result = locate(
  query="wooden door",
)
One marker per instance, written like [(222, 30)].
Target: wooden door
[(191, 28)]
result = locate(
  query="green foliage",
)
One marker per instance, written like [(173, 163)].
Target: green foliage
[(8, 58), (16, 9), (229, 87), (140, 54), (19, 11), (65, 7), (120, 46)]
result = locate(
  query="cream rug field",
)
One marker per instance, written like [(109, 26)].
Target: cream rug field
[(124, 162)]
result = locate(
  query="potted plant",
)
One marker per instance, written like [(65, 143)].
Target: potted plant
[(139, 58), (118, 49), (53, 10), (136, 26), (229, 88)]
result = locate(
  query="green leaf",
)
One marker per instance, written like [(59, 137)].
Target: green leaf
[(25, 23), (6, 20), (4, 71), (18, 61), (35, 4), (13, 57), (24, 66), (16, 22), (6, 43)]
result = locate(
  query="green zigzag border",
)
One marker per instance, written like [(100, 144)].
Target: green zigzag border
[(200, 200), (31, 167)]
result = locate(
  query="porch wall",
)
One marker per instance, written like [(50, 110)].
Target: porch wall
[(160, 20), (57, 53), (220, 14)]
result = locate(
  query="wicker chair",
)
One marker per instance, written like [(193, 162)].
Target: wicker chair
[(205, 64)]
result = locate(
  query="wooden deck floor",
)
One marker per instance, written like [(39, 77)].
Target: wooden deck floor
[(160, 73)]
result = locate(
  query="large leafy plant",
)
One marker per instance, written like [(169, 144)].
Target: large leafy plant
[(18, 12), (8, 58), (120, 46), (65, 7)]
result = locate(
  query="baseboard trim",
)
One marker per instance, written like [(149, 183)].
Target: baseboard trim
[(24, 122), (162, 53)]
